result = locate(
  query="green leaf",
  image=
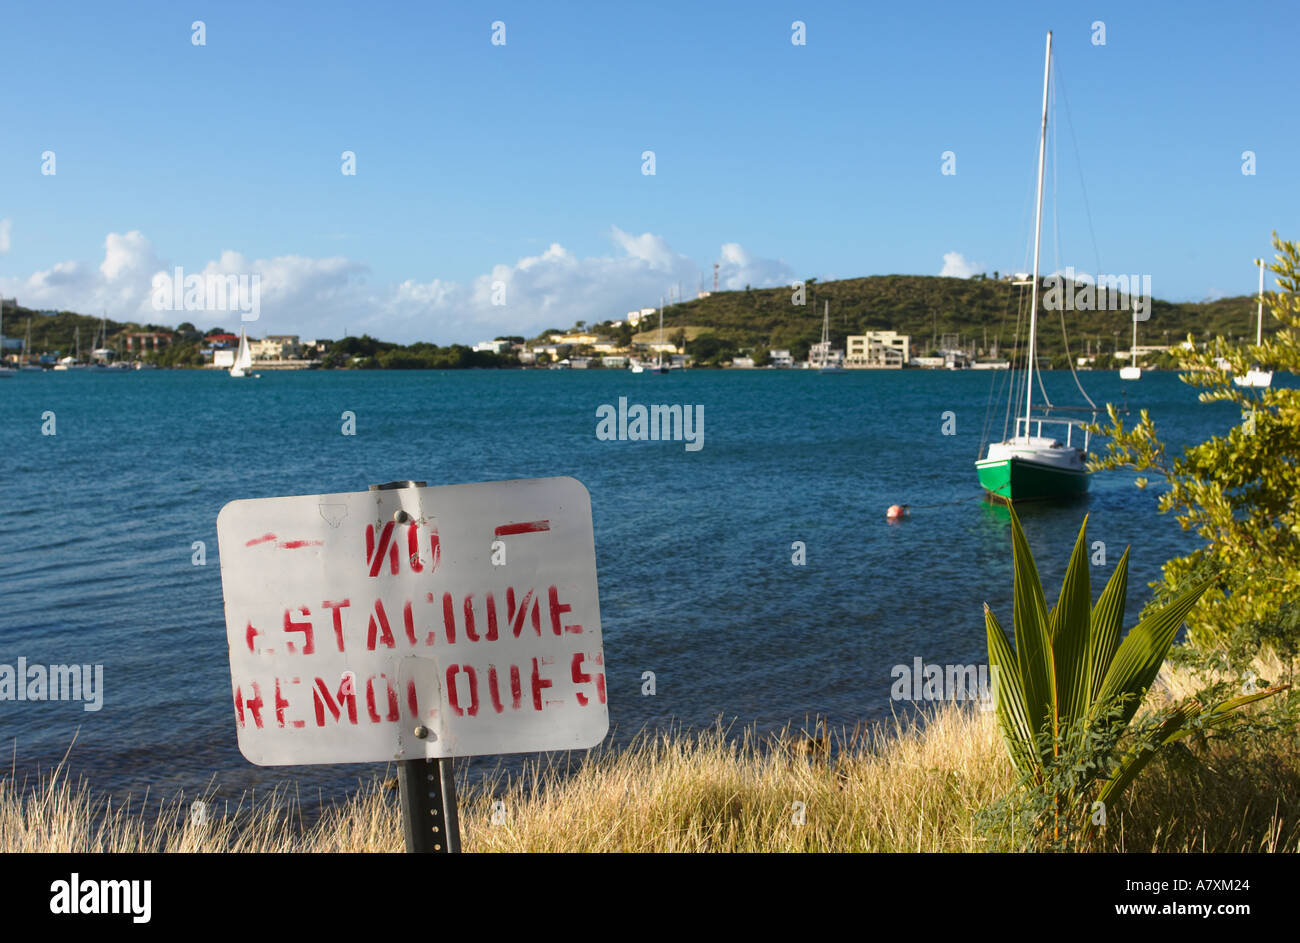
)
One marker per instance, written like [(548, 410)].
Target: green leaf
[(1012, 717), (1033, 646), (1143, 651), (1107, 622), (1176, 727), (1073, 617)]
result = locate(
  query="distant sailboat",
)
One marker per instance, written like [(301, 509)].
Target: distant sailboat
[(27, 364), (73, 362), (243, 359), (826, 366), (659, 362), (101, 355), (4, 371), (1132, 371), (1257, 377)]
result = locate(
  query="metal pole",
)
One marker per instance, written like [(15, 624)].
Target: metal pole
[(426, 787), (1038, 235), (1259, 314)]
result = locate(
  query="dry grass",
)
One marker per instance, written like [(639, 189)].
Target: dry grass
[(897, 788)]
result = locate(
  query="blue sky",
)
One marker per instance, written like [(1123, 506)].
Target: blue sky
[(521, 163)]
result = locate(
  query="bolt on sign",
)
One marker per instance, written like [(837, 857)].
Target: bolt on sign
[(414, 623)]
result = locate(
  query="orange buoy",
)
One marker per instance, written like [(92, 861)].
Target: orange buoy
[(896, 512)]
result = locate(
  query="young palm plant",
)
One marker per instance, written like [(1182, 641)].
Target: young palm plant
[(1067, 695)]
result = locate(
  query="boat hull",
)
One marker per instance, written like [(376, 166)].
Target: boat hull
[(1019, 479)]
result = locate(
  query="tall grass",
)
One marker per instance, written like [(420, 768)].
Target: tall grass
[(904, 786)]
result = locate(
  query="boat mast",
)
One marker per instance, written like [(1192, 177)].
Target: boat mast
[(659, 361), (826, 334), (1038, 236), (1259, 312)]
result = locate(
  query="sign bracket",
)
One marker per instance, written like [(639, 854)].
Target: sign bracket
[(427, 787)]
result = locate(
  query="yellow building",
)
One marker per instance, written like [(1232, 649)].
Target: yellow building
[(877, 350)]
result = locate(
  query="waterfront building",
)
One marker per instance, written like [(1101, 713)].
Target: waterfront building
[(878, 350)]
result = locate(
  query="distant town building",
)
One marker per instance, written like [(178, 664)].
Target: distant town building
[(634, 317), (616, 361), (276, 347), (492, 347), (744, 363), (148, 340), (878, 349), (703, 294), (780, 358), (579, 339)]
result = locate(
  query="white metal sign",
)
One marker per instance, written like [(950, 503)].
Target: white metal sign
[(414, 623)]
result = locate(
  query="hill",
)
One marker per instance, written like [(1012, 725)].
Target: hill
[(928, 307)]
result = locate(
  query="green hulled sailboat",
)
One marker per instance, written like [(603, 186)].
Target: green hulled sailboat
[(1028, 465)]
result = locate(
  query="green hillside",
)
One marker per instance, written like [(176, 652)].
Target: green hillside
[(928, 306), (59, 332), (728, 322)]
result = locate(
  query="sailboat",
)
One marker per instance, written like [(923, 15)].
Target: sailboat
[(101, 355), (27, 364), (659, 366), (243, 359), (825, 366), (1132, 371), (1029, 465), (1255, 376), (73, 362), (4, 371)]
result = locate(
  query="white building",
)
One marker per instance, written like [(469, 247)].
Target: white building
[(492, 347), (634, 317), (878, 349), (275, 347), (745, 363), (780, 358)]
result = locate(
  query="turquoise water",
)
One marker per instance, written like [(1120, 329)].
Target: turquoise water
[(694, 547)]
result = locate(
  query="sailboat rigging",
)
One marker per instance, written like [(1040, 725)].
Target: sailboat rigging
[(1027, 464), (1257, 376), (1132, 371), (824, 349)]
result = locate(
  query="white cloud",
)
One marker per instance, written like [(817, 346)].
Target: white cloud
[(6, 227), (740, 268), (322, 297), (956, 265)]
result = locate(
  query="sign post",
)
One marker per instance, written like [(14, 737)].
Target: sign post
[(414, 624), (427, 788)]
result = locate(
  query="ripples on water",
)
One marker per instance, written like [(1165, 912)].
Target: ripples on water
[(693, 548)]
